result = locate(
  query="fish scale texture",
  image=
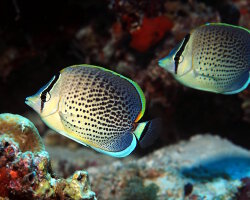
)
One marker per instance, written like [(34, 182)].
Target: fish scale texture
[(99, 106), (221, 55)]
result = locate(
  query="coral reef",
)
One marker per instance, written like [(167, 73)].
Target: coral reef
[(143, 21), (25, 171), (22, 131), (244, 191), (205, 167), (134, 189)]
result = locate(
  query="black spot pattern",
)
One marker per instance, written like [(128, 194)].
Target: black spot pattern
[(221, 56), (99, 106)]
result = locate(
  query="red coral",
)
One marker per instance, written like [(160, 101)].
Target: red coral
[(8, 179), (13, 174), (14, 170), (4, 180), (151, 31)]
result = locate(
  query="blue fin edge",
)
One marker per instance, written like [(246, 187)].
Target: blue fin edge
[(122, 153), (240, 89), (119, 154)]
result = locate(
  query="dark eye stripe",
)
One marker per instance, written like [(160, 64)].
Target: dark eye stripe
[(178, 54), (44, 93)]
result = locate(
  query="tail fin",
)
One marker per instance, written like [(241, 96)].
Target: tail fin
[(147, 132)]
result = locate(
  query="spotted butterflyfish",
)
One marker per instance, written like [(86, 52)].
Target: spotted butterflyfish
[(214, 57), (95, 107)]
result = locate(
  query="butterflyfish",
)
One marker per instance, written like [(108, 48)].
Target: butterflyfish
[(95, 107), (214, 57)]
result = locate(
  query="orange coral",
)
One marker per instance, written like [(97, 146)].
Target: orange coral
[(13, 174), (150, 33)]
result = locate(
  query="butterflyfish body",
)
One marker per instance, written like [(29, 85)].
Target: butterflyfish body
[(95, 107), (214, 57)]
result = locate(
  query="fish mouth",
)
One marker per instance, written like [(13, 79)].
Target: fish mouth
[(33, 102), (29, 101), (167, 64), (161, 63)]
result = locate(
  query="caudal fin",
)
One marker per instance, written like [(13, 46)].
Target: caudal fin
[(147, 132)]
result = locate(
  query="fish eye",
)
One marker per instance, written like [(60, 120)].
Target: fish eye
[(181, 58), (45, 97)]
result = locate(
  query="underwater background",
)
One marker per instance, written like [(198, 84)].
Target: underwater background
[(39, 38)]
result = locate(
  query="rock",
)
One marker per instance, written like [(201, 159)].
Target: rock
[(205, 167), (25, 171)]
